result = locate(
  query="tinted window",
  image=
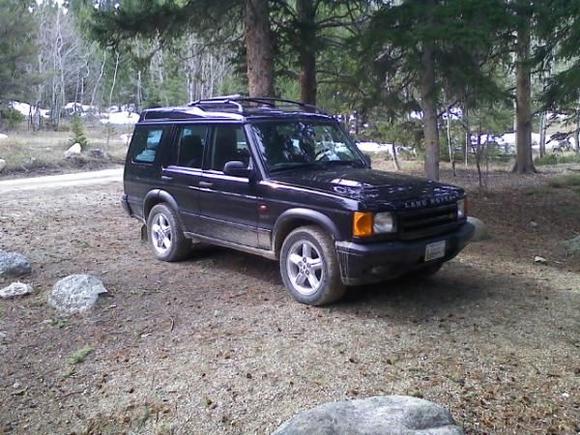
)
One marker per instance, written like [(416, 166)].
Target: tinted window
[(191, 145), (145, 143), (229, 144)]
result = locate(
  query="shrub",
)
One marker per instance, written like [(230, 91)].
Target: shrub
[(11, 118), (78, 131), (554, 159)]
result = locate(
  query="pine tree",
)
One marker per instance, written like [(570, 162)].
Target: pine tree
[(78, 130)]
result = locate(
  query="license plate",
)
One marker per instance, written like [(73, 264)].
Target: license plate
[(435, 250)]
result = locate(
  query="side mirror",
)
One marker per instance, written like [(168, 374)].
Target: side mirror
[(367, 159), (236, 168)]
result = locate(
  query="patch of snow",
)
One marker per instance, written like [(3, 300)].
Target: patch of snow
[(120, 118), (3, 136), (26, 109), (374, 147)]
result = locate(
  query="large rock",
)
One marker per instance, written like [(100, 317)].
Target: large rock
[(375, 415), (13, 264), (76, 293), (15, 289), (481, 232), (2, 164), (572, 246), (73, 151)]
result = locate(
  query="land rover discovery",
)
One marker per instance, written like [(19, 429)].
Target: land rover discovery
[(283, 180)]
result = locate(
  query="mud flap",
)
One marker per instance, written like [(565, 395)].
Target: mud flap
[(144, 236)]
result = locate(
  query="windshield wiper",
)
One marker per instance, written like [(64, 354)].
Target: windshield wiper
[(287, 166), (353, 163)]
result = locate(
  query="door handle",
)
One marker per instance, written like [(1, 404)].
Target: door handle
[(166, 178), (205, 184)]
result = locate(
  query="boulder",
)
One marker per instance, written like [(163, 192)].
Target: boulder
[(76, 293), (572, 246), (3, 136), (2, 165), (375, 415), (15, 289), (74, 150), (481, 232), (13, 264)]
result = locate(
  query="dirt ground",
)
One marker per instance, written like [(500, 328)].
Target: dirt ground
[(215, 344)]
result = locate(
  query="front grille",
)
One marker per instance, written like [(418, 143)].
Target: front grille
[(426, 222)]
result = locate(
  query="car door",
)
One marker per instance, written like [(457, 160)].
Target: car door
[(228, 204), (143, 165), (183, 171)]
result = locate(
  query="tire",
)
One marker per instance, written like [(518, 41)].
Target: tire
[(165, 234), (310, 243)]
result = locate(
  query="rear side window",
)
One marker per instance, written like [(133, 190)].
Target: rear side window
[(145, 143), (191, 145)]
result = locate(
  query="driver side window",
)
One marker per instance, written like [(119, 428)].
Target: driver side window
[(229, 144)]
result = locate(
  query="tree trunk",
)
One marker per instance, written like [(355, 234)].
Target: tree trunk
[(307, 35), (429, 114), (543, 127), (577, 133), (449, 144), (524, 163), (259, 48), (467, 132)]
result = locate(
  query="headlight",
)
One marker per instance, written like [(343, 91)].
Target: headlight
[(462, 208), (366, 224), (384, 223)]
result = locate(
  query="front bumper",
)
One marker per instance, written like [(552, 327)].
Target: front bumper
[(375, 262)]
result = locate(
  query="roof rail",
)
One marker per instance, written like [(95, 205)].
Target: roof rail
[(240, 103)]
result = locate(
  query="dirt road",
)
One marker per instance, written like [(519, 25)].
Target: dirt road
[(79, 179), (215, 345)]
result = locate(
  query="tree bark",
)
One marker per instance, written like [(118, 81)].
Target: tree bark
[(524, 163), (307, 35), (259, 48), (429, 108)]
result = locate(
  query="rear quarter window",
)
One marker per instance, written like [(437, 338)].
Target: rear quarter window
[(146, 142)]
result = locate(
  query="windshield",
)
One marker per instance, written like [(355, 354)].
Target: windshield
[(295, 144)]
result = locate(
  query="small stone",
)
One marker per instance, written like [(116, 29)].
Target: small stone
[(74, 150), (533, 224), (76, 293), (13, 264), (481, 232), (15, 289), (540, 260), (2, 164)]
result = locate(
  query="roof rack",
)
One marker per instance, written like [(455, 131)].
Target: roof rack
[(242, 104)]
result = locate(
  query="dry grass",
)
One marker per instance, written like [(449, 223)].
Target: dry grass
[(43, 151)]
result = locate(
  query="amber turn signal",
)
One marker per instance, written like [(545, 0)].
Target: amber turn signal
[(362, 224)]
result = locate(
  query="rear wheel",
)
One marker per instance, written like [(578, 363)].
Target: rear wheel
[(309, 267), (165, 234)]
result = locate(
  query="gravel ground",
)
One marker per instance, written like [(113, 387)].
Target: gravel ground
[(215, 345)]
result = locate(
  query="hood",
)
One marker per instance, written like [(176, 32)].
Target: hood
[(372, 187)]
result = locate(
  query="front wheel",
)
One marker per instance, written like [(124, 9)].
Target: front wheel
[(166, 235), (309, 267)]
